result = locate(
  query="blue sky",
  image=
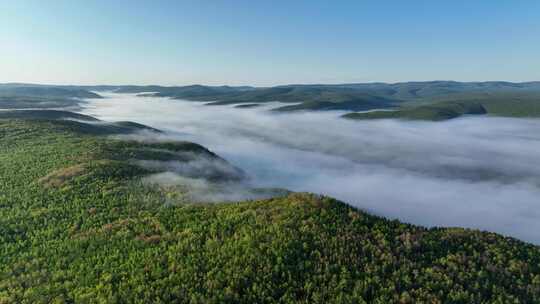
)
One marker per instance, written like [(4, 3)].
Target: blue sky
[(267, 42)]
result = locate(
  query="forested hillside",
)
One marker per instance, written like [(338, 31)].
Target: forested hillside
[(430, 100), (79, 224), (31, 96)]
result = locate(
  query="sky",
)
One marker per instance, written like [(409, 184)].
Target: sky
[(267, 43)]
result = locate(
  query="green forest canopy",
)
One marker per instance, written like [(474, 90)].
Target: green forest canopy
[(77, 225)]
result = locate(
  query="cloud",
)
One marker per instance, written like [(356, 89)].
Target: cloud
[(201, 190), (476, 172), (197, 167)]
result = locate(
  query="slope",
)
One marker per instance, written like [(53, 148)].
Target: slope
[(77, 224)]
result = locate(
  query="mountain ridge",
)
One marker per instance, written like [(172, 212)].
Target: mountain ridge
[(500, 98)]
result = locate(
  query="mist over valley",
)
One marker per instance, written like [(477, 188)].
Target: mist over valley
[(476, 172), (270, 152)]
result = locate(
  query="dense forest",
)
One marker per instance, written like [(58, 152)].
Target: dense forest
[(429, 100), (78, 224)]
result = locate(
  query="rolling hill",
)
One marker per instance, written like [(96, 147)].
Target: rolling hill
[(434, 112), (412, 100), (30, 90), (497, 97), (80, 222), (505, 104), (29, 96)]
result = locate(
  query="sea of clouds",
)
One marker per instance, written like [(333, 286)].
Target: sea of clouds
[(476, 172)]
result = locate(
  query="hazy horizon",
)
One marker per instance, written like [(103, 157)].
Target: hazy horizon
[(252, 85)]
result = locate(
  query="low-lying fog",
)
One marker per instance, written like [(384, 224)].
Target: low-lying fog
[(477, 172)]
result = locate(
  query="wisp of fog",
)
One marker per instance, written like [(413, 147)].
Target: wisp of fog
[(475, 172)]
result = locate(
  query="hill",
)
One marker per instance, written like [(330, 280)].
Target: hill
[(507, 104), (433, 112), (29, 96), (79, 222), (30, 90), (497, 97), (408, 98)]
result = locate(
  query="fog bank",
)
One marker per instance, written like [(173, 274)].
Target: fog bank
[(476, 172)]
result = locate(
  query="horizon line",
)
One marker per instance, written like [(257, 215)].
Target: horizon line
[(269, 86)]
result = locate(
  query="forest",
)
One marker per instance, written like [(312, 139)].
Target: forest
[(78, 225)]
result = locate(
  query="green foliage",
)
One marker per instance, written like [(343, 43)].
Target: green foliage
[(99, 235), (511, 105), (44, 114), (434, 112), (45, 91), (431, 100), (309, 98), (496, 96), (33, 102), (23, 96), (447, 107), (76, 122)]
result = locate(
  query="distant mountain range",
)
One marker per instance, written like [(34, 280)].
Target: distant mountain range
[(496, 97)]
